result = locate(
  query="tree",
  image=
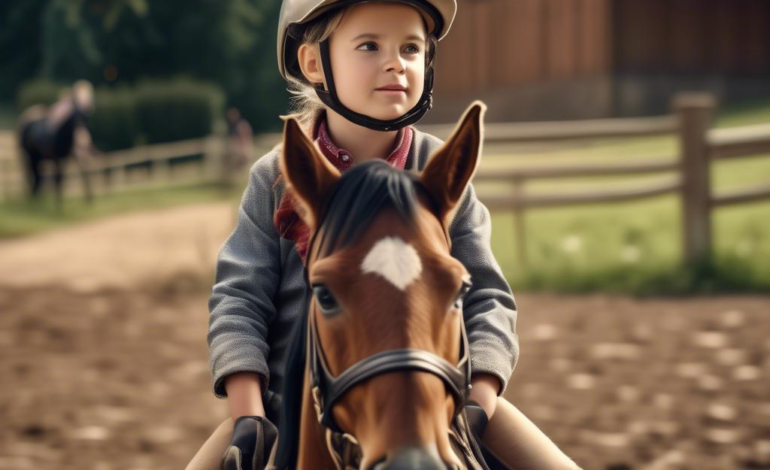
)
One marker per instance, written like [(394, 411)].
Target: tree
[(20, 46), (228, 42)]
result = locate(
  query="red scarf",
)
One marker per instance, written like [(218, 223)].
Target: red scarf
[(289, 225)]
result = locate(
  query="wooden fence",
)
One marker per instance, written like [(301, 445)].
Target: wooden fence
[(698, 147), (692, 116), (118, 171), (685, 174)]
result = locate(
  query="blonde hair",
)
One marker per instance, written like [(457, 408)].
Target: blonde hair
[(305, 104)]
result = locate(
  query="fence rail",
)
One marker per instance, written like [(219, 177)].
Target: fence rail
[(525, 201), (752, 194), (152, 153), (593, 169), (698, 144), (567, 130), (111, 168), (739, 142), (690, 121)]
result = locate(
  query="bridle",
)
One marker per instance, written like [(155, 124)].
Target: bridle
[(328, 389)]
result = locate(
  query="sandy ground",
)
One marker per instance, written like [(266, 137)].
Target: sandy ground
[(121, 252), (104, 359)]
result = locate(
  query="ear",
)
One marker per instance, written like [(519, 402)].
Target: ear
[(309, 175), (452, 166), (309, 60)]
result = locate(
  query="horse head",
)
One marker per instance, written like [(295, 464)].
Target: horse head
[(387, 356)]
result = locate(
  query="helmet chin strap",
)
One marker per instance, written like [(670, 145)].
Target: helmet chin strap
[(330, 98)]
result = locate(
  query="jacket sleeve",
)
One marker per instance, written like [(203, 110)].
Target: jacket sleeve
[(247, 278), (489, 308)]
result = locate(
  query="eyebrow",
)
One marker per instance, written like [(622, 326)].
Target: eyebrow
[(412, 37)]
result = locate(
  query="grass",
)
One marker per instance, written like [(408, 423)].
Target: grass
[(20, 217), (634, 247), (745, 113)]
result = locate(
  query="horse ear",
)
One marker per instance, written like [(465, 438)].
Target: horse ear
[(309, 175), (452, 166)]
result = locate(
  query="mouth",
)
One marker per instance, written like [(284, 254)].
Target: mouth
[(392, 89)]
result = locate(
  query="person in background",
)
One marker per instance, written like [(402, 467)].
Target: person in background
[(240, 146)]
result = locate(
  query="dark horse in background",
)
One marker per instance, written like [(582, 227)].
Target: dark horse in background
[(54, 134)]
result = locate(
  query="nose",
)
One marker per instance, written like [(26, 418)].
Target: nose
[(395, 63), (413, 458)]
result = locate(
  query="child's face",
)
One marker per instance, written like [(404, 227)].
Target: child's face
[(377, 45)]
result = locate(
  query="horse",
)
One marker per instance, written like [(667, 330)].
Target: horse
[(379, 369), (54, 135)]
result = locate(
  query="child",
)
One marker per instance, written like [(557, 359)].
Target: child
[(362, 73)]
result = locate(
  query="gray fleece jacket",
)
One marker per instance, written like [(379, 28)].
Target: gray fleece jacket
[(260, 292)]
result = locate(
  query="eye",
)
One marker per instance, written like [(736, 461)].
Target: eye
[(412, 49), (464, 288), (368, 46), (325, 299)]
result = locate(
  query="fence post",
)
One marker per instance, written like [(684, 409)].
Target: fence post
[(694, 113)]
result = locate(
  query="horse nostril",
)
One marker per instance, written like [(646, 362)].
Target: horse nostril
[(413, 458)]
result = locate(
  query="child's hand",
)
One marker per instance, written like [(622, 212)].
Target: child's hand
[(253, 439), (484, 392)]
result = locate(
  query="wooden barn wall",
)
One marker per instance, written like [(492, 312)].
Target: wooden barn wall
[(504, 43), (730, 37)]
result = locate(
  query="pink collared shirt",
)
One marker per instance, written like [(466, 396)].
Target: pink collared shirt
[(286, 220), (342, 159)]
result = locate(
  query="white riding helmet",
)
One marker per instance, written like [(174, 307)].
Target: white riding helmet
[(438, 15)]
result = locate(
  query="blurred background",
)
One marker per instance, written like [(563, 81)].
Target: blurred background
[(625, 167)]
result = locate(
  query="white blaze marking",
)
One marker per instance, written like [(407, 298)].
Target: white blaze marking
[(395, 260)]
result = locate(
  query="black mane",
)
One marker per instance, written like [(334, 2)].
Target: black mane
[(361, 193)]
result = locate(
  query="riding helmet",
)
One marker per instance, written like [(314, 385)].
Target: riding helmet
[(438, 15)]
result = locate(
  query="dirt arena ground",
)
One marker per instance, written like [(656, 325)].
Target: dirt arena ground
[(107, 369)]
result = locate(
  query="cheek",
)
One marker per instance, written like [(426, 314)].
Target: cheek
[(351, 91), (352, 78), (417, 80)]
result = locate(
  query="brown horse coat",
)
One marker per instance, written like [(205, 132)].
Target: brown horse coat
[(396, 286)]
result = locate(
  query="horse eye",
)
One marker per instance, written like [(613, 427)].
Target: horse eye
[(325, 299), (466, 286)]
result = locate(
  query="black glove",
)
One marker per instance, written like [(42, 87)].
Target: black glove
[(253, 439), (477, 418)]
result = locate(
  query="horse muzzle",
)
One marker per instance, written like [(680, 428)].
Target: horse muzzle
[(413, 458)]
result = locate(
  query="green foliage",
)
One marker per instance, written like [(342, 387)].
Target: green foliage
[(20, 44), (113, 125), (153, 112), (227, 42), (744, 113), (177, 110), (44, 92), (71, 44)]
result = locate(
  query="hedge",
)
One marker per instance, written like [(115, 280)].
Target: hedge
[(151, 112)]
